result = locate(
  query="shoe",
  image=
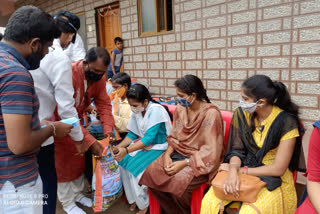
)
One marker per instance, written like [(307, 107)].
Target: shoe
[(144, 211), (85, 201), (74, 209)]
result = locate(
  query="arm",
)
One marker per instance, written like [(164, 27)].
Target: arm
[(113, 55), (313, 189), (313, 182), (27, 140), (60, 76), (104, 107), (281, 162)]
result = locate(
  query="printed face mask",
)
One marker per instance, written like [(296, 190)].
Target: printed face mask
[(248, 107), (137, 110), (184, 102), (120, 92)]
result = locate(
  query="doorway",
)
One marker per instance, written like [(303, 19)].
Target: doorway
[(108, 20)]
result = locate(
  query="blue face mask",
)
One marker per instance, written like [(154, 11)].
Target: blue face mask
[(184, 102)]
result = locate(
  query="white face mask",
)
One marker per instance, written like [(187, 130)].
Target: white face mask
[(248, 107), (137, 110)]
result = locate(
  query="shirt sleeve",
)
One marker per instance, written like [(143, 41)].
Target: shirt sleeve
[(16, 92), (291, 134), (61, 78), (313, 166), (132, 136), (151, 134)]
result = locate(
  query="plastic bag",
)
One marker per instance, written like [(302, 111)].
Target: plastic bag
[(106, 182)]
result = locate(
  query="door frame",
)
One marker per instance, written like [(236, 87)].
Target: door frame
[(100, 21)]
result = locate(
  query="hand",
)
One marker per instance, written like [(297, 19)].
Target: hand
[(175, 167), (45, 123), (91, 109), (112, 138), (120, 155), (96, 150), (232, 184), (224, 167), (62, 129), (147, 148), (81, 147), (167, 161)]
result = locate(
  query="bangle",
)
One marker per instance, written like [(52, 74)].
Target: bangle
[(127, 150), (54, 129), (245, 170), (188, 161)]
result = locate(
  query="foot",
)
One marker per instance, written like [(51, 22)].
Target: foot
[(85, 201), (133, 207), (144, 211), (74, 209)]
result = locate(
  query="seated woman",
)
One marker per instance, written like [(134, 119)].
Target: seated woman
[(149, 127), (195, 149), (121, 83), (311, 205), (264, 141)]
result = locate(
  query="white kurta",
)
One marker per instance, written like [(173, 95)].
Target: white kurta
[(76, 51), (53, 85)]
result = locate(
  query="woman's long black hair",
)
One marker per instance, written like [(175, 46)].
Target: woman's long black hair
[(192, 84), (276, 93), (140, 93)]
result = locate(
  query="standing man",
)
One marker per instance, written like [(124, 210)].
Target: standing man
[(29, 33), (89, 83), (53, 84), (76, 51), (116, 58)]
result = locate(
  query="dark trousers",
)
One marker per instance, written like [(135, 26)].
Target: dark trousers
[(48, 175), (88, 168)]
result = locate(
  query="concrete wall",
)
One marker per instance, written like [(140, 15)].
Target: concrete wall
[(223, 42)]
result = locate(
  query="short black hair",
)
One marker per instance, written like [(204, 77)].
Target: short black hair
[(122, 78), (69, 25), (30, 22), (1, 36), (97, 52), (118, 39)]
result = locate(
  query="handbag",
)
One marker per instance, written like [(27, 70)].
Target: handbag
[(248, 191)]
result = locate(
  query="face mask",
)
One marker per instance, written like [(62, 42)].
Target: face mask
[(248, 107), (120, 92), (93, 76), (137, 110), (34, 59), (184, 102)]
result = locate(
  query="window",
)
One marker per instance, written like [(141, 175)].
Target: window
[(155, 16)]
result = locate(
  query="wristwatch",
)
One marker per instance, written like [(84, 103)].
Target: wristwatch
[(188, 161)]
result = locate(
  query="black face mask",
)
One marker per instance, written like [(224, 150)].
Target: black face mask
[(93, 76), (34, 59)]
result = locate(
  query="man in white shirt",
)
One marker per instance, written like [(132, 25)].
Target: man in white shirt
[(53, 84), (76, 51)]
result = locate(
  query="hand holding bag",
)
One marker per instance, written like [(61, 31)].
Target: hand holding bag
[(248, 191)]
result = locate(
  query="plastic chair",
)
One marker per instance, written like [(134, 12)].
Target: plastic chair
[(197, 194)]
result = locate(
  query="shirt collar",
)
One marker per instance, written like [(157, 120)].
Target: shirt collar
[(15, 53)]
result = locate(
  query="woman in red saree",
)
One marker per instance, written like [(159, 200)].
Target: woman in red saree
[(195, 149)]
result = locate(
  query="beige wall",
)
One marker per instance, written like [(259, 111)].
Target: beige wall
[(223, 42)]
